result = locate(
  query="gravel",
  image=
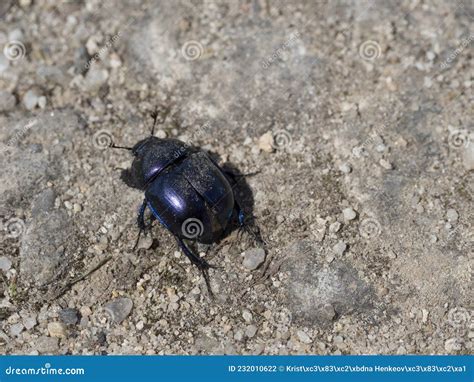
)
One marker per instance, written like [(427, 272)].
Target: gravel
[(253, 258), (340, 248), (349, 214), (5, 263), (57, 329), (119, 309), (69, 316)]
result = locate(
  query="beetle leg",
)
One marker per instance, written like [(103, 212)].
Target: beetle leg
[(251, 229), (202, 264), (141, 222)]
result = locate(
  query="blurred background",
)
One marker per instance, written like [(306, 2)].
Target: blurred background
[(357, 115)]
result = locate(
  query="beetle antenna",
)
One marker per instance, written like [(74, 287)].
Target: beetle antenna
[(112, 146)]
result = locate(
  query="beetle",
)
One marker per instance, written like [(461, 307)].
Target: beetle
[(186, 191)]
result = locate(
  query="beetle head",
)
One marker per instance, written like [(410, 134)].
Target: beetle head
[(151, 156)]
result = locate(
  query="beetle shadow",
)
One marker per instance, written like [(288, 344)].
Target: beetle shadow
[(243, 195)]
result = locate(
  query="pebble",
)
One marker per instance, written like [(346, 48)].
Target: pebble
[(29, 322), (250, 331), (7, 101), (42, 102), (303, 337), (57, 329), (85, 311), (349, 214), (335, 227), (30, 99), (452, 345), (385, 164), (119, 309), (247, 315), (339, 248), (115, 61), (160, 134), (345, 168), (239, 335), (452, 215), (253, 258), (69, 316), (145, 242), (328, 313), (265, 142), (95, 78), (5, 263), (16, 329), (46, 345)]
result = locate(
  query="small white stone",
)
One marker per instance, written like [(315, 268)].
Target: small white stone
[(349, 214), (30, 99), (424, 317), (160, 134), (16, 329), (29, 322), (253, 258), (385, 164), (115, 61), (452, 215), (430, 55), (303, 337), (5, 263), (339, 248), (247, 316), (250, 331), (57, 329), (335, 227), (265, 142), (42, 102), (345, 168), (145, 242)]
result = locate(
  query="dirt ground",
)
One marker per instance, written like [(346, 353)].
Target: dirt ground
[(357, 117)]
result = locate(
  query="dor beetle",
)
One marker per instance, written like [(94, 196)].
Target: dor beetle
[(186, 191)]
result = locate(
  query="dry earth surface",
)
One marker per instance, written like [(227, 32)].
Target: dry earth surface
[(358, 117)]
